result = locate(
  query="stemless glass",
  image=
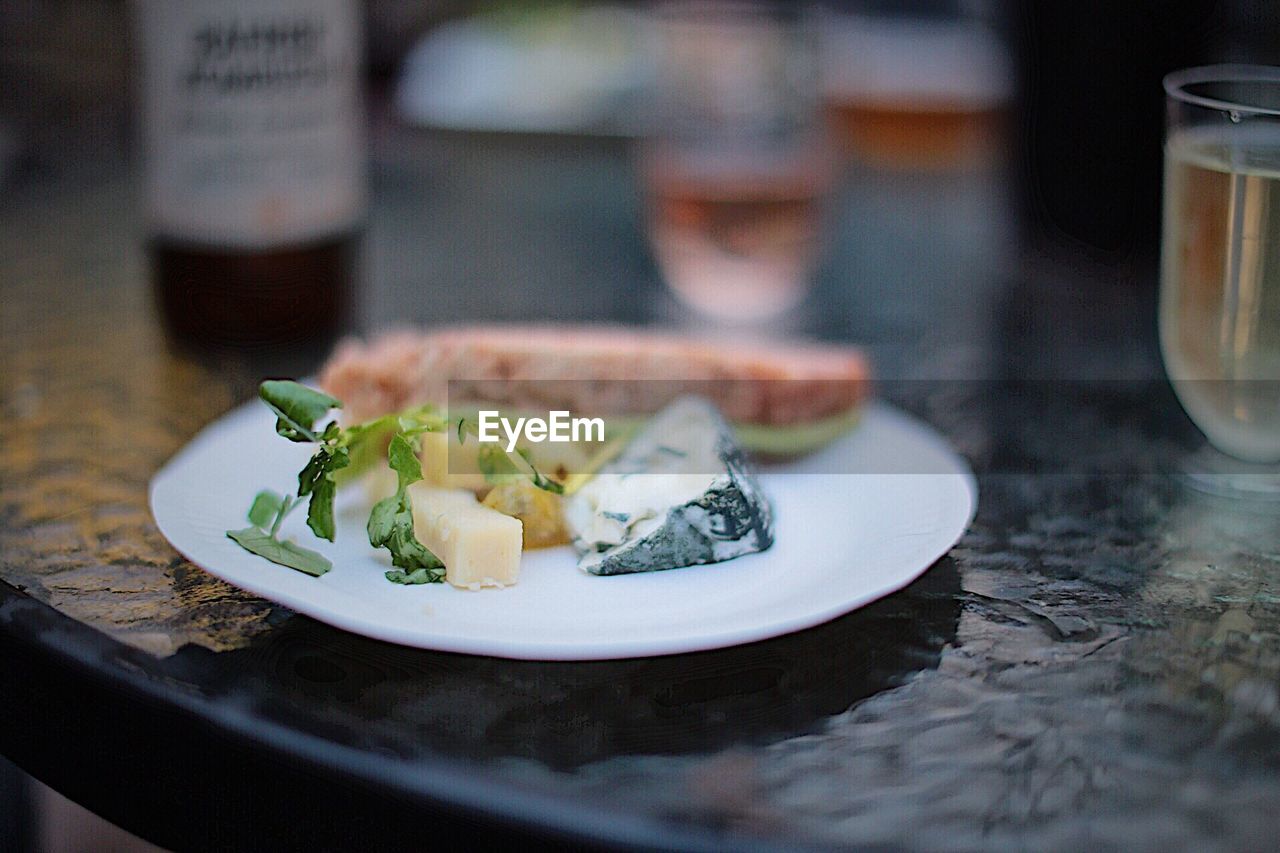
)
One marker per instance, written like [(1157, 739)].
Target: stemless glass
[(737, 159), (1220, 271)]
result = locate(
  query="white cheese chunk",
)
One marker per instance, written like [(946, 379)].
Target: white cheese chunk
[(479, 546)]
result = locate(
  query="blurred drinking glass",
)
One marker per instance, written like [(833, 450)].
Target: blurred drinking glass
[(1220, 270), (915, 89), (737, 161)]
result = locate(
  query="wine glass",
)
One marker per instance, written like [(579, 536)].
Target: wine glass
[(1220, 271), (737, 159)]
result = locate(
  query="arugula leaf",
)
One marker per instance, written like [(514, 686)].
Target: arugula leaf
[(265, 514), (416, 421), (266, 506), (408, 553), (367, 441), (382, 520), (312, 472), (317, 479), (416, 576), (365, 444), (391, 521), (402, 459), (320, 509), (391, 526), (257, 541), (297, 408), (358, 433)]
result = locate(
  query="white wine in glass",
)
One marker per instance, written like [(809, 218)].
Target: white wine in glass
[(1220, 269)]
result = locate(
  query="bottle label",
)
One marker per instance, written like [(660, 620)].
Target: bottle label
[(252, 118)]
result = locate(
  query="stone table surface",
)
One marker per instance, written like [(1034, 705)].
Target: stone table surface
[(1096, 662)]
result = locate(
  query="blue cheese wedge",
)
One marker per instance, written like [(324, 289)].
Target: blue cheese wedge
[(680, 494)]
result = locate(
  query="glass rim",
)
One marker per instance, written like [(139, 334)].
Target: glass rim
[(1175, 84)]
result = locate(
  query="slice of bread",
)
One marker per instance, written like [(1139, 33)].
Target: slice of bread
[(595, 370)]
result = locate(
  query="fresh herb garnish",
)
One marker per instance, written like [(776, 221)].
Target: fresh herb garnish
[(267, 512), (297, 407), (391, 521), (352, 450), (316, 480)]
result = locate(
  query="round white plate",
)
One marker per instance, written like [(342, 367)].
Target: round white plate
[(854, 522)]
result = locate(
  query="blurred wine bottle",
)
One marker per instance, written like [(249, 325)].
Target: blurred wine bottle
[(255, 170)]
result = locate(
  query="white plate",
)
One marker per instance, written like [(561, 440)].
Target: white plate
[(843, 540)]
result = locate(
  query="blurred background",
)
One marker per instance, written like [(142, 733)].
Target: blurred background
[(544, 144), (889, 173)]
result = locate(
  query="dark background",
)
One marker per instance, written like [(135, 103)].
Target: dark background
[(1088, 125)]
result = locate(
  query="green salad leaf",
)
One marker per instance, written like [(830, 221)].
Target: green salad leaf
[(266, 505), (344, 452), (403, 459), (297, 407), (317, 480), (391, 521), (269, 508), (287, 554)]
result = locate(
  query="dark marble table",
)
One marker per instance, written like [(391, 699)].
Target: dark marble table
[(1096, 662)]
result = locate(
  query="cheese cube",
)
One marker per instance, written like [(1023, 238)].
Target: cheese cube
[(445, 464), (479, 546)]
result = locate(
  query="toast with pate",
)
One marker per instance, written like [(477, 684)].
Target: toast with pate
[(782, 398)]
